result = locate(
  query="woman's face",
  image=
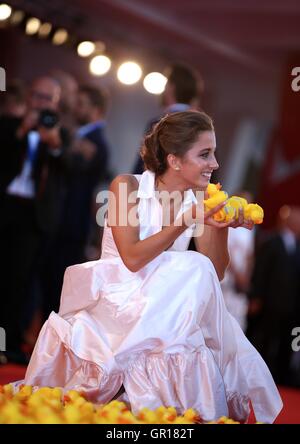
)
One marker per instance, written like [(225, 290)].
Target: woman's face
[(199, 161)]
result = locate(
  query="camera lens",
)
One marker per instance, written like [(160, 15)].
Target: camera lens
[(48, 118)]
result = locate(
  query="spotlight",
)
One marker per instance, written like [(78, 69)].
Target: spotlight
[(85, 49), (17, 17), (60, 37), (99, 47), (100, 65), (129, 73), (5, 11), (155, 83), (44, 30), (32, 26)]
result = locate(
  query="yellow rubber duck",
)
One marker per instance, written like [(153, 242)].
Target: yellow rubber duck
[(190, 415), (215, 200), (233, 206), (255, 213), (213, 188), (226, 214), (237, 202), (46, 405)]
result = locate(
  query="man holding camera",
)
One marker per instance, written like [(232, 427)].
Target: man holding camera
[(86, 166), (30, 199)]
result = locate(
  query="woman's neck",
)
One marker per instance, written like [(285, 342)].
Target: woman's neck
[(170, 182)]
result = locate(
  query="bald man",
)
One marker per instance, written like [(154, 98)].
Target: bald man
[(44, 93), (31, 186)]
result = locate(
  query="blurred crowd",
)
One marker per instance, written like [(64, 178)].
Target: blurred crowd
[(55, 157)]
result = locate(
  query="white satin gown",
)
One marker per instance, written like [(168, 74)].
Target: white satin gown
[(163, 332)]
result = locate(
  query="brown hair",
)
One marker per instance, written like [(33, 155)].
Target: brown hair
[(173, 134), (187, 83)]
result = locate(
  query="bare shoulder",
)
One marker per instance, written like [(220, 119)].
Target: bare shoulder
[(122, 199), (128, 179)]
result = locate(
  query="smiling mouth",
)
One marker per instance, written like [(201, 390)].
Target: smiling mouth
[(206, 175)]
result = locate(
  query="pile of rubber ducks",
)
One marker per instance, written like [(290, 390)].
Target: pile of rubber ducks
[(234, 205), (51, 406)]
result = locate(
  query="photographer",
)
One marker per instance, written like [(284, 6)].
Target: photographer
[(31, 186), (86, 166)]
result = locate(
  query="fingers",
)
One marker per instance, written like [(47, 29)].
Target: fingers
[(233, 223), (239, 221), (210, 221), (29, 121), (241, 216), (214, 210), (248, 224)]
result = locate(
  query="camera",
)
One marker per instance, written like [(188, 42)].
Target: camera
[(48, 118)]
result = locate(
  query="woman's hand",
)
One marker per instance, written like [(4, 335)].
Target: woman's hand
[(209, 220), (50, 136), (29, 122), (239, 222)]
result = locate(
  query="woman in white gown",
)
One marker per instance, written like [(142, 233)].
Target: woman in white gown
[(149, 315)]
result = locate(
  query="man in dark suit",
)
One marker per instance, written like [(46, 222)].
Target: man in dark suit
[(87, 162), (274, 296), (182, 92), (86, 165), (30, 185)]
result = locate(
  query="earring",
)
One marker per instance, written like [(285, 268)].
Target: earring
[(177, 168)]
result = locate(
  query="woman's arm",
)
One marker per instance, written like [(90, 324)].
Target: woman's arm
[(134, 252), (213, 244)]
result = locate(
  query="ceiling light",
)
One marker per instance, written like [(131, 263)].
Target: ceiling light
[(155, 83), (5, 11), (100, 65), (86, 48), (45, 30), (129, 73), (32, 26), (60, 37), (17, 17)]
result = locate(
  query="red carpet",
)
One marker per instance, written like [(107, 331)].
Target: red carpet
[(291, 397), (11, 372)]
